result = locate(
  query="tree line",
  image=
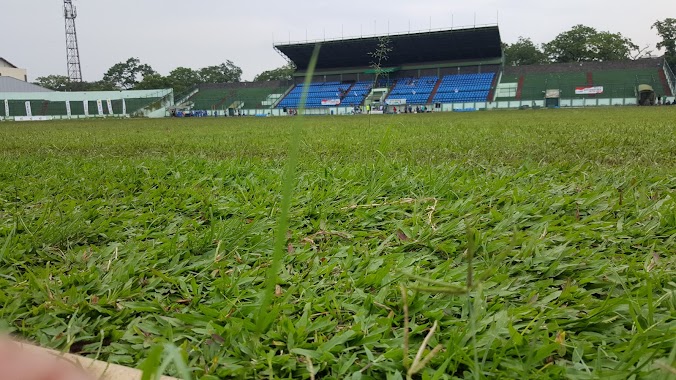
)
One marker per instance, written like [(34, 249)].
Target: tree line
[(586, 44), (132, 74), (579, 44)]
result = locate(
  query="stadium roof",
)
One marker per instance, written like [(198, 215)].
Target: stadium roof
[(407, 49), (9, 84)]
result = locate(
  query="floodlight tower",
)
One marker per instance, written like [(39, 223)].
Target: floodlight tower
[(72, 50)]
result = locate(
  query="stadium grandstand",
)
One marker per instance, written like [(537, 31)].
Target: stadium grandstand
[(457, 69), (231, 98), (587, 83), (436, 70), (441, 70), (21, 100), (425, 69)]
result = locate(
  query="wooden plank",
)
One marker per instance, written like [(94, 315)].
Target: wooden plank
[(96, 368)]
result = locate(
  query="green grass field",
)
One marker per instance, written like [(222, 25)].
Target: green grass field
[(542, 243)]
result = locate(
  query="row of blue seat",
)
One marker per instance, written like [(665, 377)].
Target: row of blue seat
[(452, 88), (483, 83), (414, 90), (468, 79), (318, 92), (463, 88), (461, 96), (329, 95), (471, 76)]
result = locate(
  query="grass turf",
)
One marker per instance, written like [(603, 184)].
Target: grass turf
[(120, 235)]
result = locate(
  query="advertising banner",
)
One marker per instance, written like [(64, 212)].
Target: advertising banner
[(29, 111), (331, 102), (124, 107), (552, 94), (32, 118), (589, 90), (6, 107), (99, 106), (110, 106), (85, 105), (395, 102), (68, 110)]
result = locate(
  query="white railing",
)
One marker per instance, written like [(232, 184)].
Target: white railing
[(671, 79), (186, 97)]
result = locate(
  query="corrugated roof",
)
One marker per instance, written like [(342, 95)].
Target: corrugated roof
[(479, 43), (9, 84), (8, 62)]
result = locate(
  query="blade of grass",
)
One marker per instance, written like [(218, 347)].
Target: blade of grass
[(264, 317)]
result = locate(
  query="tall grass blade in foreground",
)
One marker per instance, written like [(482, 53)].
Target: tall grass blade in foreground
[(265, 317)]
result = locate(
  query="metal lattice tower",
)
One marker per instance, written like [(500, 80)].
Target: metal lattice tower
[(72, 50)]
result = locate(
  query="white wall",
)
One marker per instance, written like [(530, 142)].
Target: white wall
[(449, 107), (156, 110), (80, 96), (19, 74)]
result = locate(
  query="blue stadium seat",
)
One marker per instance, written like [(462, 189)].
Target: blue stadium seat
[(348, 94), (415, 90), (464, 88)]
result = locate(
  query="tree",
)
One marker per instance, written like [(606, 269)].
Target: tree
[(523, 52), (183, 78), (63, 83), (281, 73), (584, 43), (185, 75), (639, 53), (54, 82), (379, 56), (93, 86), (154, 82), (226, 72), (666, 29), (126, 75), (612, 47)]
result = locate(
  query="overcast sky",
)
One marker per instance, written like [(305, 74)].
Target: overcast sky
[(197, 33)]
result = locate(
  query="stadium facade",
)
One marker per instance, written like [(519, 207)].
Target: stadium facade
[(441, 70)]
